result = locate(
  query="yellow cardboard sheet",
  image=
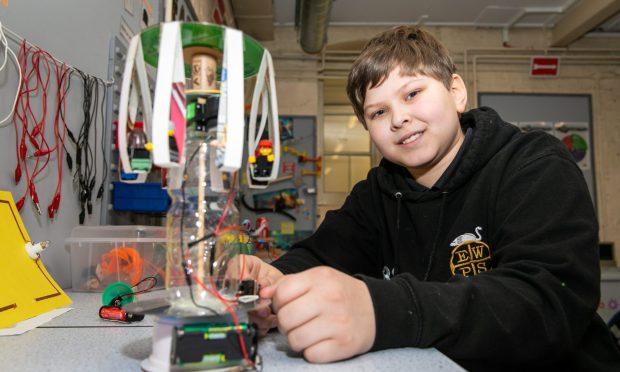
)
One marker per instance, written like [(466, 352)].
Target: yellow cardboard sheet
[(26, 288)]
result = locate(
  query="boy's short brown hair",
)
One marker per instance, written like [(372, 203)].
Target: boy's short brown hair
[(413, 49)]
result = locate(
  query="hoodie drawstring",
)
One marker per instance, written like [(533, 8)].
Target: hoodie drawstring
[(440, 225), (398, 195)]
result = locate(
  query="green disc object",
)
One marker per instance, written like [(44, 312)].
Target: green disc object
[(194, 34), (117, 289)]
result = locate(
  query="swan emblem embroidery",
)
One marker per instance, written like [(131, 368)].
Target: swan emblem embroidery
[(467, 237), (387, 273), (470, 255)]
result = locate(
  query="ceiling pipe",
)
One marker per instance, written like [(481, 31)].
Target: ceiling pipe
[(313, 22), (532, 10)]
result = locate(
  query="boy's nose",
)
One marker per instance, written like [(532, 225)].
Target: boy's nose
[(399, 118)]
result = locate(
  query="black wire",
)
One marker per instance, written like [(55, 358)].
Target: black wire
[(266, 210), (103, 136), (86, 158), (93, 165), (208, 236), (153, 281), (66, 79), (268, 247), (118, 300), (69, 74), (83, 149), (188, 276)]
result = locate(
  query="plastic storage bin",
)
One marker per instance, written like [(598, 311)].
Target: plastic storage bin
[(140, 197), (101, 255)]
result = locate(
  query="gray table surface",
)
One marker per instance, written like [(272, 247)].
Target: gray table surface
[(79, 341)]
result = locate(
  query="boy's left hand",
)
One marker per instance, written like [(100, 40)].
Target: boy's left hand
[(324, 313)]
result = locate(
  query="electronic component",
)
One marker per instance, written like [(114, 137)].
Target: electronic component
[(206, 113), (118, 314), (248, 287), (213, 345), (201, 131), (34, 250)]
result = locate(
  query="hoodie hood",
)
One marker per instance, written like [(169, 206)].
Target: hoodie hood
[(490, 134)]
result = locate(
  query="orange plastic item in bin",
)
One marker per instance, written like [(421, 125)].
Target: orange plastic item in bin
[(125, 261)]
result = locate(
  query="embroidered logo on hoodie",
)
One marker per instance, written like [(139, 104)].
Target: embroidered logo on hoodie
[(470, 255), (387, 273)]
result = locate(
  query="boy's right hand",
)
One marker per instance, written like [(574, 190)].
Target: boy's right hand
[(261, 271), (265, 275)]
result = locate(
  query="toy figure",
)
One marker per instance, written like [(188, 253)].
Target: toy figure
[(262, 162)]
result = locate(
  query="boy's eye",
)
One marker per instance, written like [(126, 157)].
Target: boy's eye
[(377, 113), (412, 94)]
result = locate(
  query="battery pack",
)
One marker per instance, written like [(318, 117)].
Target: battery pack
[(210, 346)]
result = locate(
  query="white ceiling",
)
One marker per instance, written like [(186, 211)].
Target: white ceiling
[(476, 13), (568, 20)]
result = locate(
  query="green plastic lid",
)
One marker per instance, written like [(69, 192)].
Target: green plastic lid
[(203, 35), (117, 289)]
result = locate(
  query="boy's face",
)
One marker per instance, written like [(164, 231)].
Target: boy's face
[(413, 121)]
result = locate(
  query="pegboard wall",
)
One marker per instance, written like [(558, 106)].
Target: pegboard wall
[(280, 203), (181, 10)]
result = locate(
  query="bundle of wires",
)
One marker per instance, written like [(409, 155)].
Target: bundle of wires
[(4, 44), (86, 157), (35, 69), (189, 272)]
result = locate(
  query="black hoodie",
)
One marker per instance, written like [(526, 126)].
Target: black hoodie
[(498, 268)]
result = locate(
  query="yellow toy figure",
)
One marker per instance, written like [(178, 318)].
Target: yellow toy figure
[(263, 159)]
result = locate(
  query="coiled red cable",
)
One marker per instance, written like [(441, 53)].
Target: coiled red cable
[(38, 66)]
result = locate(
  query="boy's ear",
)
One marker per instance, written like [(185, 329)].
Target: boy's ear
[(459, 92)]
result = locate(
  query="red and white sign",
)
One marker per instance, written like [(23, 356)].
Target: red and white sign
[(544, 66)]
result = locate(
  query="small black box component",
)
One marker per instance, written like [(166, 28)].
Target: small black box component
[(248, 287), (206, 113), (209, 346)]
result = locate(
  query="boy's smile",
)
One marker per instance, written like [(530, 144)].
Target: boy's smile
[(413, 121), (411, 138)]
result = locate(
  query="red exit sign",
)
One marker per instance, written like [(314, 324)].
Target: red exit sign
[(544, 66)]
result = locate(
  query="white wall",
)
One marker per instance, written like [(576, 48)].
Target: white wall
[(77, 32)]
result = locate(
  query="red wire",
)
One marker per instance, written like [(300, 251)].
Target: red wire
[(232, 312), (215, 293), (26, 112), (227, 229), (61, 93), (18, 172), (231, 194), (21, 149), (33, 129), (40, 127)]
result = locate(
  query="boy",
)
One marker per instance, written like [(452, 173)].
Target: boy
[(470, 236)]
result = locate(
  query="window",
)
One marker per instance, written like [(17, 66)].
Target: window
[(347, 151)]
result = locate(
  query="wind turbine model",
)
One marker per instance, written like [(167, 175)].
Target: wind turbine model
[(197, 132)]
